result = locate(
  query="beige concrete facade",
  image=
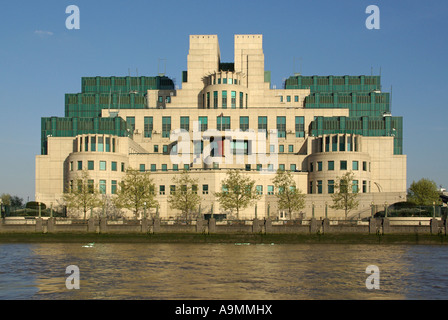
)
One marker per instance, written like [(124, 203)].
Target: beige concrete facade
[(229, 101)]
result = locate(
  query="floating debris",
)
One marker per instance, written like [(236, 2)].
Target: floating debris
[(89, 245)]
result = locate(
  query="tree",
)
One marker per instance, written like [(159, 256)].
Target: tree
[(6, 199), (185, 195), (84, 195), (16, 202), (423, 193), (345, 197), (136, 192), (289, 197), (238, 192)]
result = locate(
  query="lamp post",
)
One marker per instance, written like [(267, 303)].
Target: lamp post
[(385, 208), (39, 204), (371, 209), (144, 210)]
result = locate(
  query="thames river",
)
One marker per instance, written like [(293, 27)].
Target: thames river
[(221, 271)]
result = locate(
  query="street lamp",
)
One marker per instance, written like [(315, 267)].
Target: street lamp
[(144, 210), (385, 208)]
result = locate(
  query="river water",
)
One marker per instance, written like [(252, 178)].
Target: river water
[(222, 271)]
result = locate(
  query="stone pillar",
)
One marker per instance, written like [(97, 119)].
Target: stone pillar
[(103, 225), (314, 226), (50, 225), (268, 225), (326, 226), (373, 225), (256, 226), (386, 226), (39, 225), (145, 225), (91, 225), (211, 225), (199, 225), (156, 225), (434, 226)]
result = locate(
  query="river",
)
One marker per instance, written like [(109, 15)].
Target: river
[(222, 271)]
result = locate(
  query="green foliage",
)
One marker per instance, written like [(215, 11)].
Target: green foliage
[(84, 196), (238, 192), (185, 196), (288, 196), (344, 198), (136, 192), (424, 193)]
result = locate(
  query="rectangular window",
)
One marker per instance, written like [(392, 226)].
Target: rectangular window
[(233, 99), (71, 165), (291, 148), (244, 123), (153, 167), (300, 127), (343, 165), (186, 167), (172, 189), (364, 186), (93, 143), (355, 186), (90, 165), (364, 166), (114, 166), (281, 148), (319, 186), (208, 100), (330, 165), (310, 187), (164, 167), (86, 144), (113, 189), (259, 167), (247, 167), (156, 148), (281, 167), (224, 99), (241, 100), (107, 144), (292, 167), (239, 147), (102, 186), (215, 99), (270, 190), (311, 166), (281, 127), (349, 143), (122, 167), (327, 144), (296, 98), (79, 165), (355, 165), (90, 186), (102, 165), (263, 124), (330, 186), (203, 123), (259, 190), (166, 127), (185, 123), (288, 98), (205, 189), (130, 122), (175, 167), (161, 190), (165, 149), (148, 127), (100, 144), (223, 123), (270, 167), (272, 148), (334, 143), (142, 167), (341, 143), (319, 166)]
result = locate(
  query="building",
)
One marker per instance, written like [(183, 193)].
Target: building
[(229, 116)]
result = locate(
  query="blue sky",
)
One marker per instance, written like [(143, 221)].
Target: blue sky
[(41, 60)]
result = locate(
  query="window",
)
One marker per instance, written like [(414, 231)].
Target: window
[(165, 148), (79, 165), (241, 100), (102, 165), (87, 144), (215, 99), (259, 190), (300, 127), (281, 148), (270, 167), (288, 98), (93, 143), (244, 123), (90, 165), (364, 186), (113, 189), (156, 148), (330, 165), (194, 188), (100, 144), (223, 123), (334, 143), (343, 165), (291, 148), (175, 167), (122, 167), (208, 100), (172, 189), (107, 144), (71, 165), (263, 124), (292, 167), (224, 99), (185, 123), (166, 127), (161, 190), (319, 186), (327, 144), (311, 167), (355, 165), (70, 186), (247, 167), (161, 99), (281, 127), (281, 167), (130, 122), (364, 166), (296, 98), (186, 167), (114, 166), (148, 127), (153, 167), (319, 166), (355, 186), (311, 187), (203, 123), (272, 148), (142, 168), (102, 186), (239, 147), (342, 144), (259, 167), (330, 186), (281, 98), (205, 189), (233, 99), (164, 167), (90, 186), (270, 190)]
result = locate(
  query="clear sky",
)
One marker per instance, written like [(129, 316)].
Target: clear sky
[(41, 60)]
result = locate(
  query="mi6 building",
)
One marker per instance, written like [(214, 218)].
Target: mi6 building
[(227, 115)]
